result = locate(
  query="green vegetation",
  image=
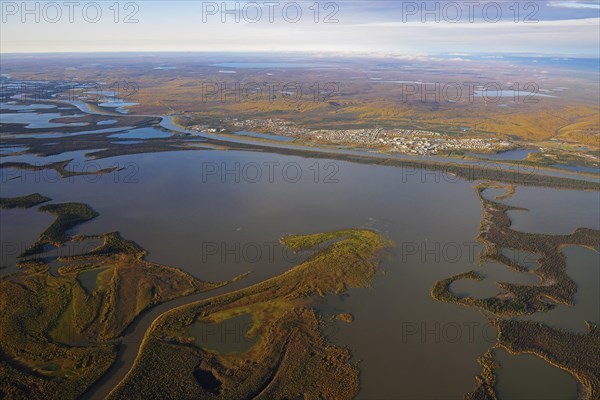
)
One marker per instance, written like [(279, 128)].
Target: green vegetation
[(552, 159), (560, 156), (576, 354), (57, 337), (67, 216), (32, 364), (111, 148), (129, 285), (28, 201), (487, 380), (59, 166), (496, 233), (571, 116), (290, 358)]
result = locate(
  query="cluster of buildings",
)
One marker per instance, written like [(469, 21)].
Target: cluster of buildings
[(418, 144), (274, 126), (410, 141)]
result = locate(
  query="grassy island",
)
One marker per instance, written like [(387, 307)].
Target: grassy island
[(59, 166), (290, 358), (28, 201)]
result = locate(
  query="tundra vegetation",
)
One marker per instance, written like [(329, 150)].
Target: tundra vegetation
[(28, 201), (351, 94), (59, 337), (290, 357), (60, 167), (487, 379), (496, 233), (577, 354)]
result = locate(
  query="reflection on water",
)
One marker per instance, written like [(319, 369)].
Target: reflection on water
[(223, 224), (543, 380), (222, 221)]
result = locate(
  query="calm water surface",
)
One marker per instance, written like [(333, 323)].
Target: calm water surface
[(544, 381), (218, 214)]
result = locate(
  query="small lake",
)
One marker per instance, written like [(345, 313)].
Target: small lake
[(89, 278), (119, 106), (107, 122), (492, 93), (492, 273), (228, 336), (39, 121), (27, 107), (576, 168), (12, 149), (512, 155)]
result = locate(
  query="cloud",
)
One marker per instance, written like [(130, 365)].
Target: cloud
[(571, 4), (560, 31), (587, 22)]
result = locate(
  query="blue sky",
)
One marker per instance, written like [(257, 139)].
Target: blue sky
[(403, 28)]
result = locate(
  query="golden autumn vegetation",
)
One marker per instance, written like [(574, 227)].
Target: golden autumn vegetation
[(572, 352), (290, 358), (58, 335)]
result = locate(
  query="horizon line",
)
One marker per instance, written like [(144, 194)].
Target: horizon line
[(315, 52)]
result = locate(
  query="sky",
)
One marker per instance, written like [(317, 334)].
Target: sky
[(393, 27)]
